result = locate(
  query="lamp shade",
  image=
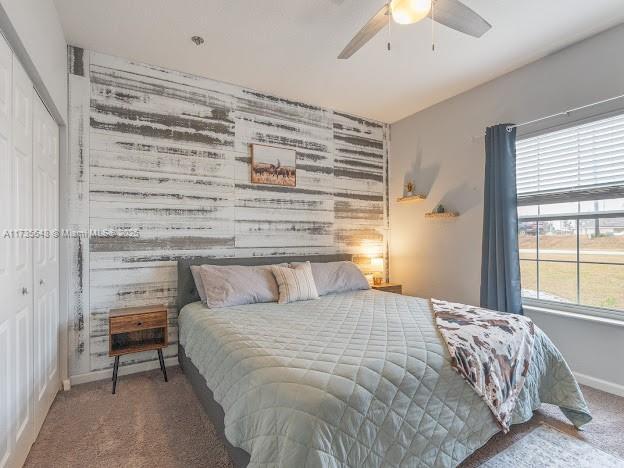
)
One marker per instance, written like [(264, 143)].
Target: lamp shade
[(409, 11), (377, 262)]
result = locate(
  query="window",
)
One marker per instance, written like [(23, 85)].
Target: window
[(571, 215)]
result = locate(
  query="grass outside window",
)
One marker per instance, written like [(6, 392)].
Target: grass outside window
[(581, 262)]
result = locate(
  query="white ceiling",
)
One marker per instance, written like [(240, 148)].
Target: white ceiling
[(289, 47)]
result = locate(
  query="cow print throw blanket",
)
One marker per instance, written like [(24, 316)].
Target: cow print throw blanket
[(490, 350)]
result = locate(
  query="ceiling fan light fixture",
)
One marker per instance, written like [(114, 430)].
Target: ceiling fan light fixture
[(409, 11)]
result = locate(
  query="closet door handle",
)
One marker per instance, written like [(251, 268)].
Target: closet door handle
[(41, 282), (24, 291)]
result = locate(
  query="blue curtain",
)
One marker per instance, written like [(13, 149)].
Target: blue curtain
[(500, 268)]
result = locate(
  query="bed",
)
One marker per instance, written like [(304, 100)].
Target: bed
[(359, 378)]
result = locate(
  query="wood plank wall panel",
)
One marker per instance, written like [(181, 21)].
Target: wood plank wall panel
[(360, 164), (167, 154), (78, 219)]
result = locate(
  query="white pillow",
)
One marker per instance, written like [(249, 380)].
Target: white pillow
[(295, 284)]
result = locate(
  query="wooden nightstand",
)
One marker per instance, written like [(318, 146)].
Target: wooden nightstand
[(395, 288), (137, 329)]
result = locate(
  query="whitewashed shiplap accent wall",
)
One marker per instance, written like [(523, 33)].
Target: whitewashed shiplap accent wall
[(168, 154)]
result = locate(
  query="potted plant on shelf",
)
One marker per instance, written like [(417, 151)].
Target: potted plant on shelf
[(409, 189), (441, 212)]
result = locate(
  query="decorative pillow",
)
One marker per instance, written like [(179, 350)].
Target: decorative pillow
[(333, 277), (237, 285), (198, 282), (296, 283)]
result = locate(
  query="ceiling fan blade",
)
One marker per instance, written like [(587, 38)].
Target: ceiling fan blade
[(374, 25), (456, 15)]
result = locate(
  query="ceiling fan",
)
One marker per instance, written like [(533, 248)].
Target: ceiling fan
[(451, 13)]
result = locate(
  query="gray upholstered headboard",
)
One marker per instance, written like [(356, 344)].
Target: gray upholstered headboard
[(186, 286)]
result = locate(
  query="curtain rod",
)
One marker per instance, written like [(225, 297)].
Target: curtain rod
[(565, 113), (559, 114)]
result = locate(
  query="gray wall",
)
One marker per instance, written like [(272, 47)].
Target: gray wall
[(39, 42), (168, 154), (437, 148)]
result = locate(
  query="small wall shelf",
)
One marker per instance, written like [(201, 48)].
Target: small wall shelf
[(411, 198), (445, 215)]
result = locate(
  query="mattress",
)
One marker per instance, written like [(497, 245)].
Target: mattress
[(355, 379)]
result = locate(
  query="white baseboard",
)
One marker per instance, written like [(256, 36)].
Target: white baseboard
[(604, 385), (123, 370)]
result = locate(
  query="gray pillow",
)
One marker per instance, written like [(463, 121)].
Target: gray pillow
[(333, 277), (198, 282), (237, 285)]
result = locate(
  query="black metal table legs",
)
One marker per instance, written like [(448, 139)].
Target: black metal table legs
[(162, 364), (115, 369), (161, 359)]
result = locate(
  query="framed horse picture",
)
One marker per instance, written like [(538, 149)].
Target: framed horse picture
[(271, 165)]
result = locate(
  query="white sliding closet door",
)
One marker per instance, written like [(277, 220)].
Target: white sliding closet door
[(22, 267), (29, 267), (46, 262), (17, 294), (7, 283)]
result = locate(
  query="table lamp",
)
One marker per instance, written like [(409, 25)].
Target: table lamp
[(378, 264)]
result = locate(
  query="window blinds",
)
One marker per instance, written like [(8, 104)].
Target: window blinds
[(584, 162)]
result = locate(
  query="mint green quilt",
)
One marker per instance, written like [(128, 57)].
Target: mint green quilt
[(358, 379)]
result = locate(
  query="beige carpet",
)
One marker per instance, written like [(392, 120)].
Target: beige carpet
[(150, 423)]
